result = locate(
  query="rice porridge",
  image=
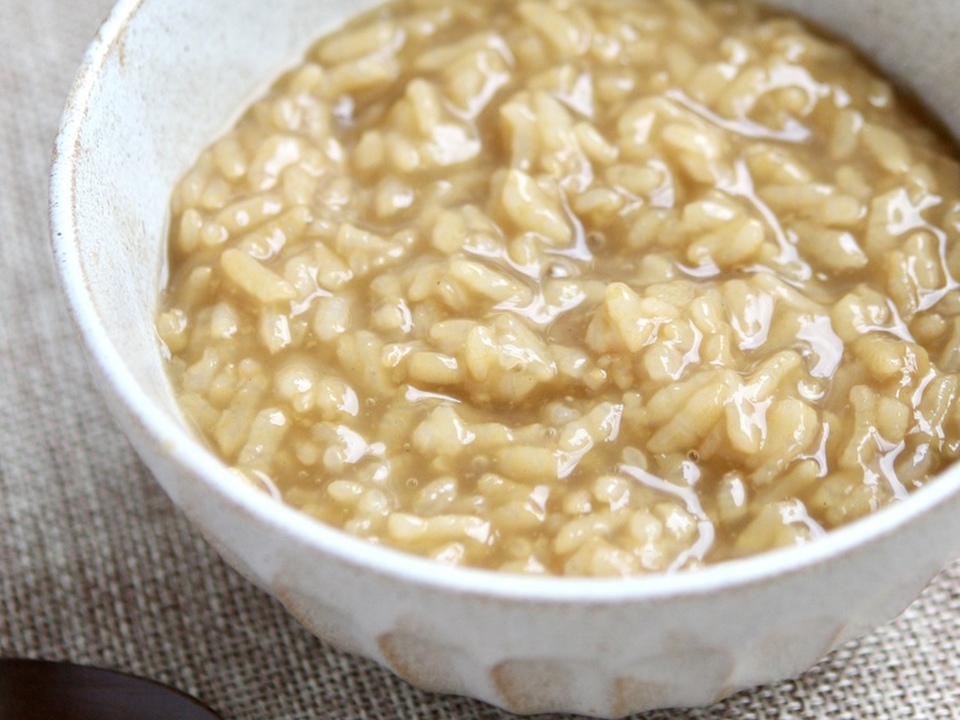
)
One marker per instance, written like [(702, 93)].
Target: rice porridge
[(573, 287)]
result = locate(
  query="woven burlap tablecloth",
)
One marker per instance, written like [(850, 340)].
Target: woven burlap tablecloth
[(97, 566)]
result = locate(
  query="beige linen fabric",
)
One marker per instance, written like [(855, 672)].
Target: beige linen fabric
[(97, 566)]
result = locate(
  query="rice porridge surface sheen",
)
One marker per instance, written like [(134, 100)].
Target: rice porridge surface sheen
[(576, 287)]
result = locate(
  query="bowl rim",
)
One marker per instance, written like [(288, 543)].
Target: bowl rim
[(190, 456)]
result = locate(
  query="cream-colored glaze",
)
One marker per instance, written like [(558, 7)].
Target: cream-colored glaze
[(149, 96)]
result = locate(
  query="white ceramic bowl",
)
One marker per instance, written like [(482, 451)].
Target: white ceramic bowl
[(162, 79)]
